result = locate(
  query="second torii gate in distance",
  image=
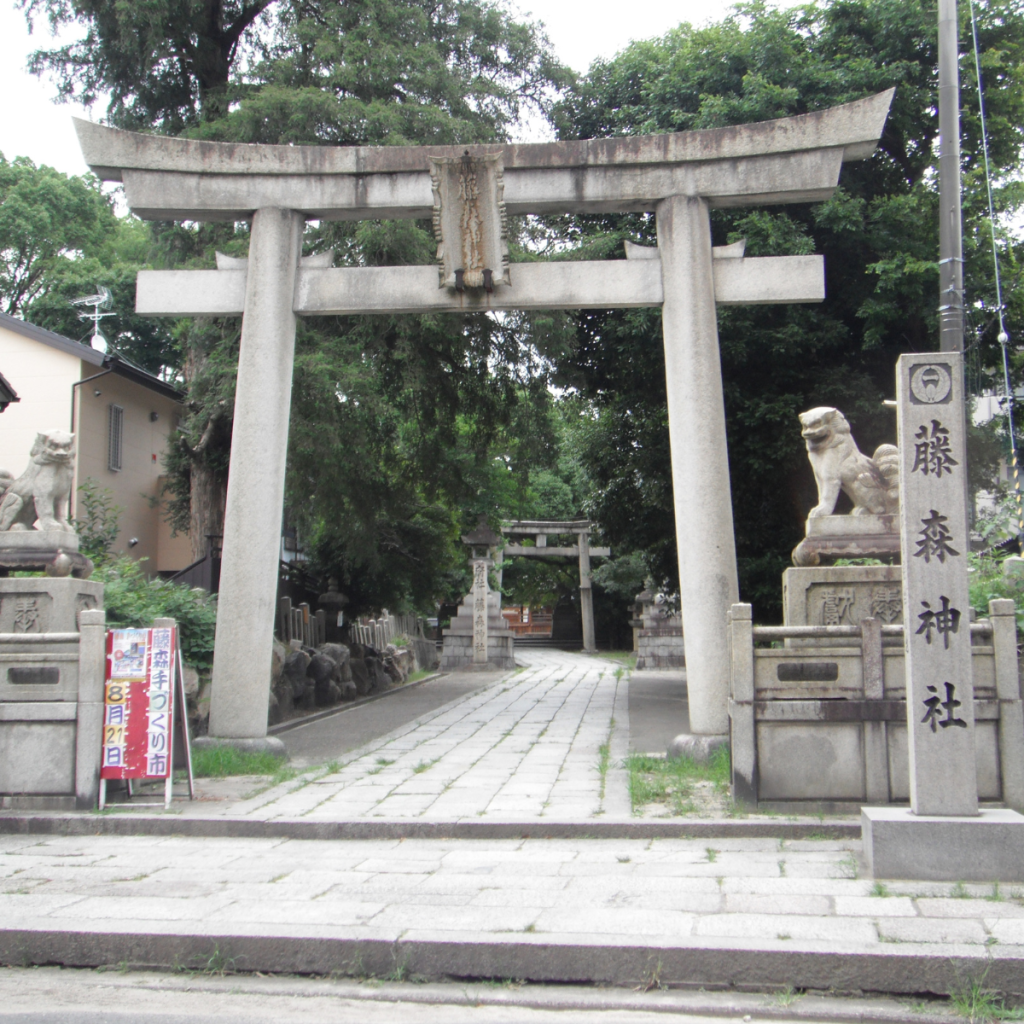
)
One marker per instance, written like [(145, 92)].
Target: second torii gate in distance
[(468, 192), (540, 529)]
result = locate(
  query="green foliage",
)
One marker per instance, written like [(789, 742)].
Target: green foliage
[(60, 239), (878, 234), (988, 582), (397, 421), (622, 576), (47, 220), (133, 599), (98, 528)]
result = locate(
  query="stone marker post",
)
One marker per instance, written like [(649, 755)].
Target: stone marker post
[(936, 604), (259, 447), (480, 594)]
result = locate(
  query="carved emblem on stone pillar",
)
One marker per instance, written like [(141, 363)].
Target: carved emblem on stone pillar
[(470, 222)]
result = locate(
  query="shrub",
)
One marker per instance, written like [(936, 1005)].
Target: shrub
[(987, 581), (132, 599)]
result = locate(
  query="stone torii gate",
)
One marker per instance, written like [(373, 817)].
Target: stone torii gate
[(468, 193), (539, 529)]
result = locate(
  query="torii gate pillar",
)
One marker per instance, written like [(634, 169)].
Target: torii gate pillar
[(259, 450), (700, 468)]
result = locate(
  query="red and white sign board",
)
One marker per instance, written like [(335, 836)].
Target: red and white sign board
[(138, 711)]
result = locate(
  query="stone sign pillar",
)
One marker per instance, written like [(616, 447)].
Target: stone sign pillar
[(480, 594), (936, 605), (708, 584), (259, 447), (943, 836)]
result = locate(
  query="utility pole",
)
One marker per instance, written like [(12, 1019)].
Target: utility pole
[(951, 249)]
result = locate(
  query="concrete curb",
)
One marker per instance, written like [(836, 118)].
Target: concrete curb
[(295, 723), (130, 823), (907, 970)]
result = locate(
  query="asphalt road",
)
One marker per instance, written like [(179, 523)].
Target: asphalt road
[(52, 995), (658, 710), (328, 738)]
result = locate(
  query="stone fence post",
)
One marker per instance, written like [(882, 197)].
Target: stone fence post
[(92, 654), (1002, 613), (743, 740)]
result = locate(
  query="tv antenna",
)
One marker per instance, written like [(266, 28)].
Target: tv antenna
[(100, 301)]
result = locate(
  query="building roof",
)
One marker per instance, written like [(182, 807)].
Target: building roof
[(7, 393), (115, 363)]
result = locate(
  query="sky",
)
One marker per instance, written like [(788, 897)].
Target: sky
[(33, 126)]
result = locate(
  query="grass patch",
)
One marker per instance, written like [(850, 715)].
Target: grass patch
[(671, 780), (218, 762), (624, 658)]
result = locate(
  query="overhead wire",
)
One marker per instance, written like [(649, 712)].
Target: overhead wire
[(1003, 337)]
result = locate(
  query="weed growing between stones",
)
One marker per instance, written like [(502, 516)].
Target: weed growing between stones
[(788, 995), (602, 766), (880, 889), (678, 782), (969, 998)]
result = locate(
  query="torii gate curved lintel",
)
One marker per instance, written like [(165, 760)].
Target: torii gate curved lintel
[(677, 176)]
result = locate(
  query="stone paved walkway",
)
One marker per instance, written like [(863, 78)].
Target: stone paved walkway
[(528, 746), (773, 895)]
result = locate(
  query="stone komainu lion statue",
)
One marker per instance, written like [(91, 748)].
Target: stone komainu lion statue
[(872, 484), (43, 492)]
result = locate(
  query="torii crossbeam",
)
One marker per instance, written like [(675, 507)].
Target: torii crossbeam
[(679, 177)]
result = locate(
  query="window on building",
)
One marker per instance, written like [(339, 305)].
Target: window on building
[(115, 438)]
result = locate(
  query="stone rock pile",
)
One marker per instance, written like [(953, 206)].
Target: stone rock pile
[(305, 678)]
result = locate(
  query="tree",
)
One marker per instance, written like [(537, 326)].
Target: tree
[(392, 415), (878, 234), (59, 239), (47, 220), (166, 64)]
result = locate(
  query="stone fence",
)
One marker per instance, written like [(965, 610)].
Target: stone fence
[(824, 725), (299, 623)]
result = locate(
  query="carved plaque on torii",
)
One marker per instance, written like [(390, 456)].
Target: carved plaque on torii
[(470, 222)]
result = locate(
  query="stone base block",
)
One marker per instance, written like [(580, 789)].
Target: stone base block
[(698, 747), (899, 844), (660, 648), (254, 744), (457, 654), (28, 802)]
